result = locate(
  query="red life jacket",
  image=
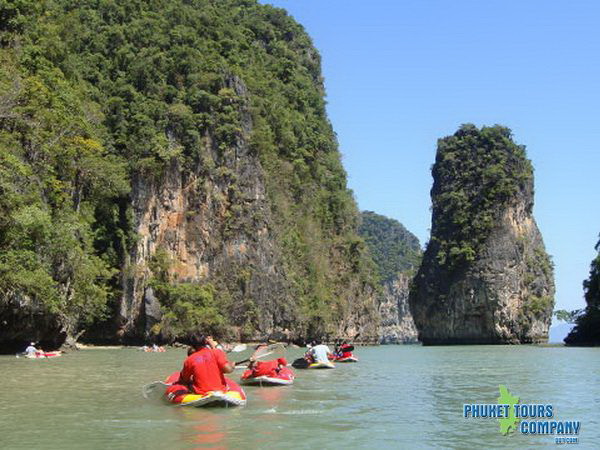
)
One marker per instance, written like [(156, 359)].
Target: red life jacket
[(268, 368), (205, 369)]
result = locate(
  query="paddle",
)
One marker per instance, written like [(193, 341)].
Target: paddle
[(149, 388), (238, 348), (273, 351), (350, 348)]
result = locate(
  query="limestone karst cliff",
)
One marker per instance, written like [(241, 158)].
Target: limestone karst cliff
[(169, 166), (485, 277), (396, 253)]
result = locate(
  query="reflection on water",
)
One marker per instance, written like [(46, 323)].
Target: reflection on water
[(271, 396), (210, 431), (395, 397)]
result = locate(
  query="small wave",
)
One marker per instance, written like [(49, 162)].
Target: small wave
[(300, 412)]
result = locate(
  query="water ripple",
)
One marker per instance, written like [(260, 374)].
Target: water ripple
[(395, 397)]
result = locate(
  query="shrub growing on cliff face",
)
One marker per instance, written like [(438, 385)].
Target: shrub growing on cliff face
[(184, 306), (567, 316), (476, 173), (591, 286), (587, 328), (188, 307)]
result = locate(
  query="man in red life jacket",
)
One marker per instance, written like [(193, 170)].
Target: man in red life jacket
[(264, 368), (204, 369), (267, 368)]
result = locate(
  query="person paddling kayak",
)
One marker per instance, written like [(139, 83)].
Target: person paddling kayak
[(267, 373), (316, 357), (204, 369), (319, 352), (264, 368), (31, 350), (344, 350)]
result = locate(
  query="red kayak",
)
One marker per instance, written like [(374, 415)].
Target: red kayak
[(43, 355), (181, 395), (282, 376), (344, 354)]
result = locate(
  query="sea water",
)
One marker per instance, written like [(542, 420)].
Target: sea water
[(394, 397)]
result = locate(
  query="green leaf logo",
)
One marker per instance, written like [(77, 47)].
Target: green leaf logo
[(508, 424)]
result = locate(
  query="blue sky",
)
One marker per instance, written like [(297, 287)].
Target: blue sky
[(401, 74)]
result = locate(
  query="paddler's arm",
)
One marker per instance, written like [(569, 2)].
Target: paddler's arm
[(229, 367), (225, 365), (185, 376), (329, 354)]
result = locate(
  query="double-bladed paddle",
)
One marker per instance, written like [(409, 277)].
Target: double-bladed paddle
[(273, 351)]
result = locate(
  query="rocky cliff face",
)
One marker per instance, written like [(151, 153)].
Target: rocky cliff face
[(215, 226), (396, 253), (397, 324), (211, 233), (494, 283), (171, 168)]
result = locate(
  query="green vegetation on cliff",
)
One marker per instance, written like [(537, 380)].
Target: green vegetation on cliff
[(394, 249), (587, 324), (56, 177), (96, 92), (476, 172)]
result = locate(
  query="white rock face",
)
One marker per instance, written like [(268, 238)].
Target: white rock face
[(397, 324)]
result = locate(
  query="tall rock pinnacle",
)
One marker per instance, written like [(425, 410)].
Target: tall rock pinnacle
[(485, 277)]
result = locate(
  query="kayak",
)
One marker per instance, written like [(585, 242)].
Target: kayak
[(43, 355), (346, 359), (152, 349), (284, 376), (181, 395), (322, 365), (344, 354), (302, 363)]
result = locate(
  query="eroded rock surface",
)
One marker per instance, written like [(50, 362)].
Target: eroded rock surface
[(485, 276)]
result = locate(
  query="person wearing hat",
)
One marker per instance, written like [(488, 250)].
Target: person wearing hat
[(31, 350)]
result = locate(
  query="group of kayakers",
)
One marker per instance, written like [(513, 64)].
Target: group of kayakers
[(202, 378), (320, 356), (153, 348), (205, 367)]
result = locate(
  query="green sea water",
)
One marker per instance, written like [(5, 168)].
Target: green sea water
[(395, 397)]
